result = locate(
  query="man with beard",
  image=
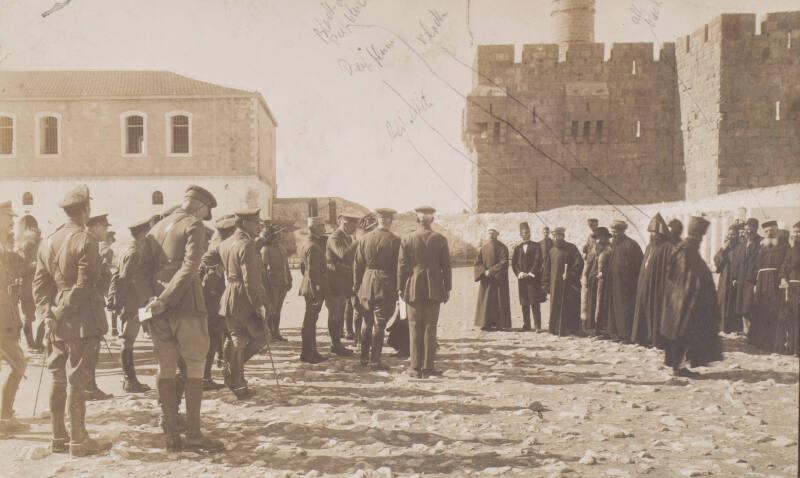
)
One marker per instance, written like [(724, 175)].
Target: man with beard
[(526, 262), (650, 286), (130, 289), (277, 275), (27, 246), (562, 279), (493, 309), (424, 280), (593, 322), (743, 269), (766, 297), (375, 279), (12, 269), (689, 323), (726, 294), (620, 282), (313, 287), (243, 304), (340, 252), (790, 289), (675, 231)]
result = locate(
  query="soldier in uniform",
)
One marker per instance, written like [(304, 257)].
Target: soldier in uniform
[(277, 275), (131, 288), (98, 229), (424, 280), (12, 268), (67, 295), (243, 302), (212, 275), (375, 279), (27, 246), (179, 329), (314, 287), (587, 248), (339, 254)]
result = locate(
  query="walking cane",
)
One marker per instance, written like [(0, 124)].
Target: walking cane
[(38, 387), (107, 347), (561, 309), (274, 370)]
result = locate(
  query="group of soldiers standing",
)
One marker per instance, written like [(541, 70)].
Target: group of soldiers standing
[(664, 297)]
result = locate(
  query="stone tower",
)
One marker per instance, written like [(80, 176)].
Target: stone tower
[(573, 21)]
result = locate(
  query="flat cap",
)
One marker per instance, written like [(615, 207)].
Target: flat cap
[(315, 221), (5, 208), (601, 232), (697, 226), (225, 222), (78, 195), (524, 226), (99, 220), (201, 194), (769, 224), (248, 213), (385, 211), (424, 210), (349, 215), (559, 230), (140, 226), (619, 225), (752, 222)]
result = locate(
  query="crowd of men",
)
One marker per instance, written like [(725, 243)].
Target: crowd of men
[(201, 294), (664, 297)]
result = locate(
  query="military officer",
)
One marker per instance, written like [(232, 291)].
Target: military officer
[(178, 328), (67, 294), (375, 279), (98, 229), (339, 253), (277, 275), (212, 275), (424, 280), (243, 302), (12, 268), (30, 236), (313, 287), (131, 288)]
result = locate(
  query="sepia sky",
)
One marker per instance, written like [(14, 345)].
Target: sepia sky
[(338, 92)]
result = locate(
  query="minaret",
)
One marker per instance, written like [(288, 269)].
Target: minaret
[(574, 22)]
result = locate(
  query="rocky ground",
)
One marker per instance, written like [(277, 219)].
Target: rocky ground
[(509, 404)]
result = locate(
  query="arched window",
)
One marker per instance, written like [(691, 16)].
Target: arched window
[(48, 134), (158, 198), (179, 133), (6, 135), (27, 199), (134, 133)]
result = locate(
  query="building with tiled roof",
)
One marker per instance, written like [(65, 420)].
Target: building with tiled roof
[(136, 138)]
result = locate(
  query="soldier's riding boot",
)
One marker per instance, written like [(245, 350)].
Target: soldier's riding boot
[(180, 386), (377, 348), (81, 444), (9, 424), (131, 383), (40, 331), (194, 437), (27, 329), (238, 386), (168, 394), (58, 403), (366, 343), (317, 356), (337, 348)]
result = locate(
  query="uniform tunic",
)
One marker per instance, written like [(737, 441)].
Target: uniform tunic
[(493, 307)]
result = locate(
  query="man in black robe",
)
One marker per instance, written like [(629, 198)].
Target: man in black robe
[(493, 309), (743, 263), (689, 323), (526, 262), (562, 279), (650, 288), (675, 231), (592, 298), (790, 292), (766, 294), (731, 322), (623, 271)]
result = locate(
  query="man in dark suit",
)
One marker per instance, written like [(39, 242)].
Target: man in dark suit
[(67, 293), (179, 327), (526, 262), (424, 280), (375, 279)]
